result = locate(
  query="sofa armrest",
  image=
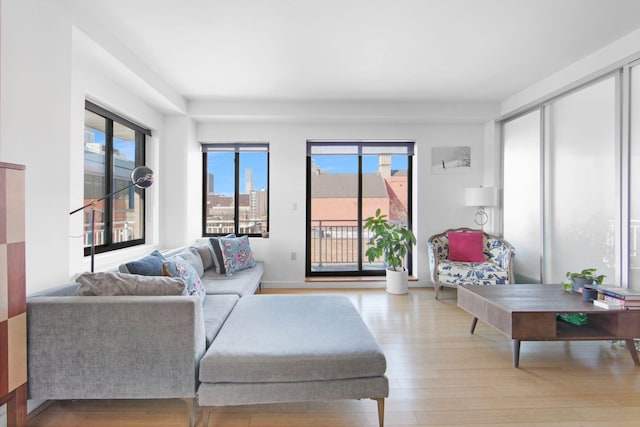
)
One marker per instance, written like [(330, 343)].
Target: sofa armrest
[(82, 347), (501, 253)]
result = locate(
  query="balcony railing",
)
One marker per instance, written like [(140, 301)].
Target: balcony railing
[(122, 231), (334, 246), (226, 226)]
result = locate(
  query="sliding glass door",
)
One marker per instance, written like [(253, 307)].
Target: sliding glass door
[(634, 187), (562, 185), (581, 193), (522, 190), (346, 183)]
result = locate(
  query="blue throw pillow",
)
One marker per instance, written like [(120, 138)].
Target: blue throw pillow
[(150, 265)]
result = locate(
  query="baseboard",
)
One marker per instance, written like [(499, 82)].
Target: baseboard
[(343, 283)]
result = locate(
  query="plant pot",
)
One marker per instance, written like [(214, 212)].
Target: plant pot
[(397, 282), (578, 282)]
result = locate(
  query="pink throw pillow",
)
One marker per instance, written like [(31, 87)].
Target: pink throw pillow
[(465, 247)]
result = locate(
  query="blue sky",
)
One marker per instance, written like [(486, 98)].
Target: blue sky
[(349, 164), (128, 148), (221, 165)]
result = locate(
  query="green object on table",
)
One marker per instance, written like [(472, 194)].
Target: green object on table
[(578, 319)]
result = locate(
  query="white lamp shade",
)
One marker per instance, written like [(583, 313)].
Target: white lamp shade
[(481, 196)]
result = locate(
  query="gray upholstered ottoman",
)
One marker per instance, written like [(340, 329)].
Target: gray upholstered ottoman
[(287, 348)]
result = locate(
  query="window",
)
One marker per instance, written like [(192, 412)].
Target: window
[(346, 183), (113, 147), (236, 189)]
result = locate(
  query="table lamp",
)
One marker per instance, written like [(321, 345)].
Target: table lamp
[(481, 197)]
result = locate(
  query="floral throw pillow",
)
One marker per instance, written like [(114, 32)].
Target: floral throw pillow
[(236, 253), (216, 253), (176, 266)]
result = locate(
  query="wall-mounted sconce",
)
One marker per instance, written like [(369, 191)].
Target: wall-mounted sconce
[(482, 197)]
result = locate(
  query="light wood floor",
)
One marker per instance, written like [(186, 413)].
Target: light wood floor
[(439, 375)]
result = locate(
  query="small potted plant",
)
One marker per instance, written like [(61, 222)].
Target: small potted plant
[(585, 277), (392, 242)]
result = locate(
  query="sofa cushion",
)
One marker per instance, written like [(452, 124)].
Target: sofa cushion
[(215, 310), (236, 253), (472, 273), (150, 265), (113, 284), (310, 337), (242, 283), (176, 266), (465, 246), (193, 258), (203, 249)]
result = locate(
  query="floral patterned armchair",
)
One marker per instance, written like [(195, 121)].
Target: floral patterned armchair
[(496, 270)]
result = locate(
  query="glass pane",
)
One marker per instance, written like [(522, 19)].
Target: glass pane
[(581, 203), (522, 208), (253, 193), (94, 174), (334, 213), (127, 206), (634, 167), (220, 192), (385, 187)]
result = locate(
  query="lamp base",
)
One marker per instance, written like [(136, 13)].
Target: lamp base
[(481, 217)]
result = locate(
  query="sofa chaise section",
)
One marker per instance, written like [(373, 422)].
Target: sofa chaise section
[(286, 348)]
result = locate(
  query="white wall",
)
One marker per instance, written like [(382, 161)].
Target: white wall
[(90, 81), (46, 77), (616, 53), (181, 181), (438, 199), (35, 108)]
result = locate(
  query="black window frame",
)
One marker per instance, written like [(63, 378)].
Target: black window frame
[(140, 141), (238, 148), (410, 145)]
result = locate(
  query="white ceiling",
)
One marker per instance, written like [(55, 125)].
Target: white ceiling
[(435, 50)]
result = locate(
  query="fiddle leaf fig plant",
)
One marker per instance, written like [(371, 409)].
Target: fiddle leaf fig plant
[(390, 241)]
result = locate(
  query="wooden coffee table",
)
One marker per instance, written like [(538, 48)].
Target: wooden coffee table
[(529, 313)]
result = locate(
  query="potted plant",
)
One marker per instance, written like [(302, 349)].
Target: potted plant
[(392, 242), (585, 277)]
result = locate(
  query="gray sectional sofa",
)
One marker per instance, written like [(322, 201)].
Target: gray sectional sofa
[(93, 339), (132, 346)]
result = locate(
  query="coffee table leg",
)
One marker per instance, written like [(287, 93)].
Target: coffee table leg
[(516, 353), (474, 322), (634, 353)]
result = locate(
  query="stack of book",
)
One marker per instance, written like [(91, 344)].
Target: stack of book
[(617, 298)]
